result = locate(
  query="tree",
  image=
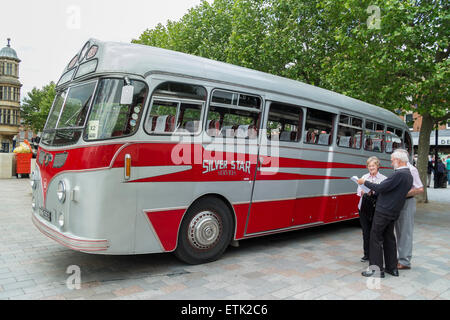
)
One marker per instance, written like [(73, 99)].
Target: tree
[(36, 106), (393, 53), (400, 64)]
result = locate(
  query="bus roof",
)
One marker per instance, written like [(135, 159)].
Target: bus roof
[(144, 60)]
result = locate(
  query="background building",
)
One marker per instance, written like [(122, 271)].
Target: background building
[(9, 97), (414, 122)]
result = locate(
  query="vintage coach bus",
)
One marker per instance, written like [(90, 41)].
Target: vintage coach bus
[(148, 150)]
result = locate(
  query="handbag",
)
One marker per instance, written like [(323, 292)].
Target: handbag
[(368, 204)]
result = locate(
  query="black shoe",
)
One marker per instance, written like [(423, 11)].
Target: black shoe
[(364, 259), (393, 272), (373, 273)]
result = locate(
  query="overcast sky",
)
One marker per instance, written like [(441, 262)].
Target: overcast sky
[(46, 34)]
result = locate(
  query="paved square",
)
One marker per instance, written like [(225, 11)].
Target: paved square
[(317, 263)]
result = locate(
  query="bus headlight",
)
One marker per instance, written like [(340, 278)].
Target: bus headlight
[(61, 191)]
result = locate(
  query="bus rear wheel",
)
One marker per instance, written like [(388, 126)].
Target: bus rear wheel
[(205, 232)]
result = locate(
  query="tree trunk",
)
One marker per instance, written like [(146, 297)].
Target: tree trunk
[(423, 152)]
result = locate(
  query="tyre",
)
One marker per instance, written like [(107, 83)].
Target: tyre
[(205, 232)]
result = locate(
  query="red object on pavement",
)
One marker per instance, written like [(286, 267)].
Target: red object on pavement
[(23, 165)]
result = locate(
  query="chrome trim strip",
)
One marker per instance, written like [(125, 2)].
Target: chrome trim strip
[(256, 234), (78, 244)]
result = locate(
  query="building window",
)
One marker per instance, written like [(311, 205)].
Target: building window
[(16, 94), (9, 69), (8, 117)]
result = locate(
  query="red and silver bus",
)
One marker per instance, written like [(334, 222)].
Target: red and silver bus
[(147, 150)]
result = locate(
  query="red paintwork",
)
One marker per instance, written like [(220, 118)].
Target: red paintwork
[(289, 213), (80, 159), (166, 224)]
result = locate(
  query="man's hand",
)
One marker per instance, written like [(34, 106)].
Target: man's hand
[(361, 181)]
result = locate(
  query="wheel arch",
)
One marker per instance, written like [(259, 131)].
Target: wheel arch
[(205, 196)]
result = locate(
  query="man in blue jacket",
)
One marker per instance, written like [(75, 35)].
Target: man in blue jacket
[(391, 198)]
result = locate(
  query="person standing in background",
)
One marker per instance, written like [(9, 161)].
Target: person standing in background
[(448, 169), (439, 172), (404, 226), (429, 170)]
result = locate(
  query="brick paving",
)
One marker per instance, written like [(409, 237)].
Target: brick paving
[(318, 263)]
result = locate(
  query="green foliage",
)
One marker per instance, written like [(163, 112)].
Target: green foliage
[(36, 106), (390, 53)]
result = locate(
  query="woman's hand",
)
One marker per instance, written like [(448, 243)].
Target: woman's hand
[(361, 181)]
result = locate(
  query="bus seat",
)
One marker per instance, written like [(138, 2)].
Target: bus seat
[(252, 132), (377, 145), (149, 124), (213, 128), (356, 141), (310, 137), (285, 136), (170, 124), (344, 141), (368, 144), (160, 125), (242, 131), (389, 146), (192, 126), (227, 132), (324, 139)]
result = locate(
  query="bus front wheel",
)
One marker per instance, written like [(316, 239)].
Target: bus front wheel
[(205, 232)]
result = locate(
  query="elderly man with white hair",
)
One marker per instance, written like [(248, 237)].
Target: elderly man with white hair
[(405, 224), (391, 199)]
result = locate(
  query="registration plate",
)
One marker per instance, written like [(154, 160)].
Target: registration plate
[(47, 215)]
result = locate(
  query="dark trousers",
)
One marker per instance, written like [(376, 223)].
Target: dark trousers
[(383, 242), (366, 226)]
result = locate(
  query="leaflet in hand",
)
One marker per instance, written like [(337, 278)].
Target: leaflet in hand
[(363, 187)]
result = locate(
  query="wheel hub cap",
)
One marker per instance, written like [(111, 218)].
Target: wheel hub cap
[(204, 230)]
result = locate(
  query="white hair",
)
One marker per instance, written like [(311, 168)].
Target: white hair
[(404, 151), (401, 155)]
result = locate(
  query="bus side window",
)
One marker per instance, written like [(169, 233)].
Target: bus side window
[(233, 115), (349, 132), (374, 137), (162, 117), (408, 142), (284, 122), (176, 108), (318, 127), (393, 141)]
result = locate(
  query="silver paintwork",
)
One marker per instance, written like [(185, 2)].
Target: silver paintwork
[(103, 206)]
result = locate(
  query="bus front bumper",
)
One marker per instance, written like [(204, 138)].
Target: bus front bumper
[(69, 240)]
